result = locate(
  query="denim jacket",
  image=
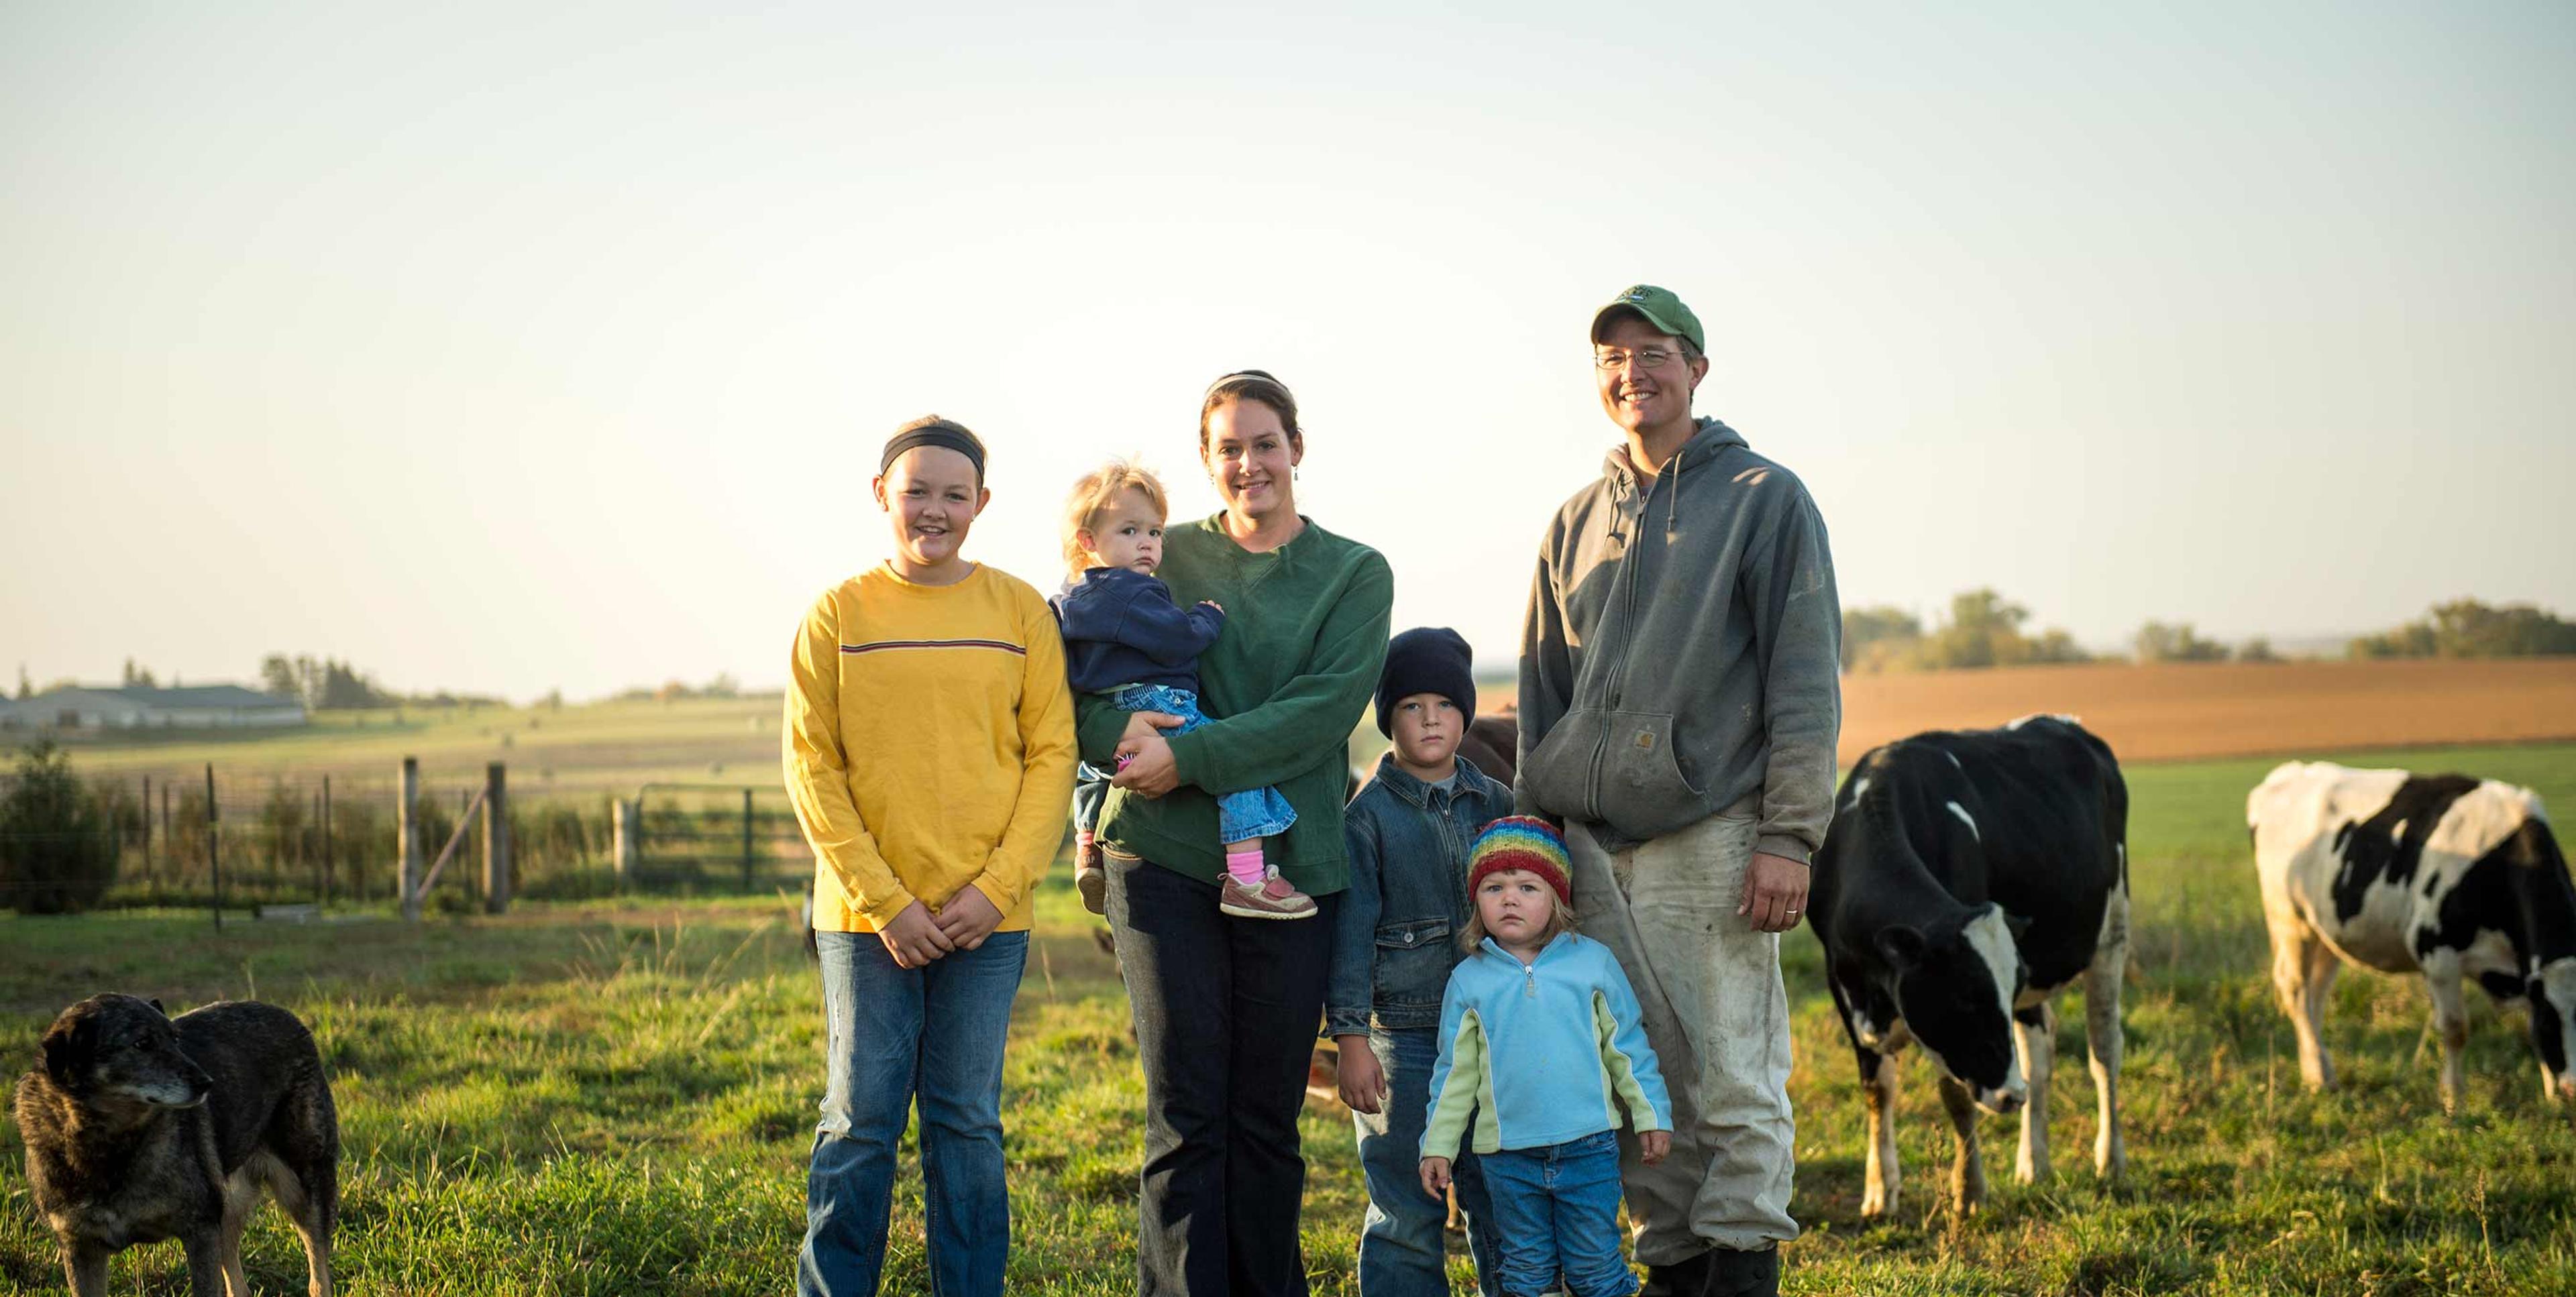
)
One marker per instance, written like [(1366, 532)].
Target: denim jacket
[(1395, 937)]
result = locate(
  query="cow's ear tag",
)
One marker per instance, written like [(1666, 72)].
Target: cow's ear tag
[(1902, 946)]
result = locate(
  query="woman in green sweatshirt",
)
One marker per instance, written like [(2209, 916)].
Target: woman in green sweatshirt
[(1226, 1010)]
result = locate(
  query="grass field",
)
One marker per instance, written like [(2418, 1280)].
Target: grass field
[(2161, 713), (606, 1100), (584, 749)]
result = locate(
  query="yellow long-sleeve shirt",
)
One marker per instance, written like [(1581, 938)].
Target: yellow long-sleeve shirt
[(928, 745)]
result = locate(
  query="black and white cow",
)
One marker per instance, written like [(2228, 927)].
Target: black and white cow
[(1966, 880), (2440, 874)]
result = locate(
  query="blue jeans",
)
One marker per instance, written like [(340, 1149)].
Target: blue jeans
[(1557, 1209), (1402, 1252), (894, 1033), (1090, 789), (1252, 813)]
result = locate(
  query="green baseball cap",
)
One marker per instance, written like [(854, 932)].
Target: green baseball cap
[(1660, 309)]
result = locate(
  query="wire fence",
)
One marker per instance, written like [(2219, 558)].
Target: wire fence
[(268, 840), (716, 836)]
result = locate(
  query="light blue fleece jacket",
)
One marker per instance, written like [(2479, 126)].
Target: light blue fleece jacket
[(1542, 1052)]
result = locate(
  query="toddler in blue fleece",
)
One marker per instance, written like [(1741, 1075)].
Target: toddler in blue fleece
[(1541, 1043), (1125, 639)]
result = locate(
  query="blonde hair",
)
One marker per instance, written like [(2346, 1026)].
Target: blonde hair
[(1560, 918), (1092, 493)]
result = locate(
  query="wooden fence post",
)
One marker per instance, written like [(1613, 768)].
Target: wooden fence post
[(471, 881), (496, 840), (214, 847), (624, 825), (407, 838), (746, 839)]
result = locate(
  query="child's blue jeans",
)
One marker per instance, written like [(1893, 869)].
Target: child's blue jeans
[(897, 1038), (1090, 789), (1252, 813), (1557, 1209), (1403, 1248)]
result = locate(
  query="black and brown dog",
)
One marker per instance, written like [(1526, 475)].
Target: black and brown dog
[(140, 1127)]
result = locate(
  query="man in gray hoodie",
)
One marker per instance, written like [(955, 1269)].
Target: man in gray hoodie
[(1679, 703)]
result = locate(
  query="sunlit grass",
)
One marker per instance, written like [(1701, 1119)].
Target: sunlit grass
[(617, 1098)]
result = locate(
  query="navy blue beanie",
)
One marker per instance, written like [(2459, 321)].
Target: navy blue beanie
[(1425, 660)]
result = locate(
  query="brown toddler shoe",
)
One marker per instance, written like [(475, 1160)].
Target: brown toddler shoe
[(1091, 878), (1274, 899)]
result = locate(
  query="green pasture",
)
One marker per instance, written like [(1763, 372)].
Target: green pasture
[(583, 748), (615, 1098)]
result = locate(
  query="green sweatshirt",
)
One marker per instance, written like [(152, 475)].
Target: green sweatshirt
[(1305, 636)]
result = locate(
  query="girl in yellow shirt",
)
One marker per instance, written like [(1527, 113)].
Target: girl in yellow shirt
[(929, 751)]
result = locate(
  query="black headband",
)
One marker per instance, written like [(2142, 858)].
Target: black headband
[(935, 432), (1262, 374)]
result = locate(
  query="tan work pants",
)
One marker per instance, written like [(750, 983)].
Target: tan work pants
[(1718, 1018)]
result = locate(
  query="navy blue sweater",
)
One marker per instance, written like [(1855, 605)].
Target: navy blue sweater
[(1122, 628)]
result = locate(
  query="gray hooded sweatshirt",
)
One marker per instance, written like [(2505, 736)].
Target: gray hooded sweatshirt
[(1682, 652)]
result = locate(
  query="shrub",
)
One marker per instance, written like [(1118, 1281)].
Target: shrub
[(57, 853), (2176, 642)]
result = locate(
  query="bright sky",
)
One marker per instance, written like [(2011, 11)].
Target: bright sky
[(507, 347)]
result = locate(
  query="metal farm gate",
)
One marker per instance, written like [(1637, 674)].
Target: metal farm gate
[(714, 837)]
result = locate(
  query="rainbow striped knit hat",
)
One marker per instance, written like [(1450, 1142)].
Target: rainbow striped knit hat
[(1521, 842)]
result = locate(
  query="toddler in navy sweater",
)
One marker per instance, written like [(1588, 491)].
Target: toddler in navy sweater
[(1124, 638)]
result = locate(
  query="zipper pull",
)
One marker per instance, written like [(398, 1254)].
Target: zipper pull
[(1673, 502)]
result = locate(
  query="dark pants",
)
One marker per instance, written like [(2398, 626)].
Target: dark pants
[(1226, 1015)]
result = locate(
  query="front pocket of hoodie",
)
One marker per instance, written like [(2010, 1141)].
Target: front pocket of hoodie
[(1643, 791), (1559, 770), (1411, 970)]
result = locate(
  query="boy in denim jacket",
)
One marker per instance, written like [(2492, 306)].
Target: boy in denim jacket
[(1395, 939)]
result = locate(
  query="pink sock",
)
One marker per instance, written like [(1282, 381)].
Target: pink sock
[(1081, 838), (1245, 867)]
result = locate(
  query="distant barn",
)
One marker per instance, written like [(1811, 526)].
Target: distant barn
[(131, 707)]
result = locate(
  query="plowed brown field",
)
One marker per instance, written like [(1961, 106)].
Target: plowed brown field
[(2162, 713)]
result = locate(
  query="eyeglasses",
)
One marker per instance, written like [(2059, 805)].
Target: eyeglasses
[(1650, 358)]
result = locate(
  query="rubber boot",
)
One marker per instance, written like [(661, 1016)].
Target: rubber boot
[(1743, 1274), (1681, 1279)]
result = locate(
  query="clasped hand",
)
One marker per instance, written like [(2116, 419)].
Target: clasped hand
[(1145, 765), (916, 935)]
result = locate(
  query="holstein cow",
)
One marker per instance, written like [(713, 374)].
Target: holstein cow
[(2439, 874), (1966, 880)]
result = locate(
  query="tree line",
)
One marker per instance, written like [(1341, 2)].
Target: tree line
[(1984, 629), (2466, 628), (329, 684)]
